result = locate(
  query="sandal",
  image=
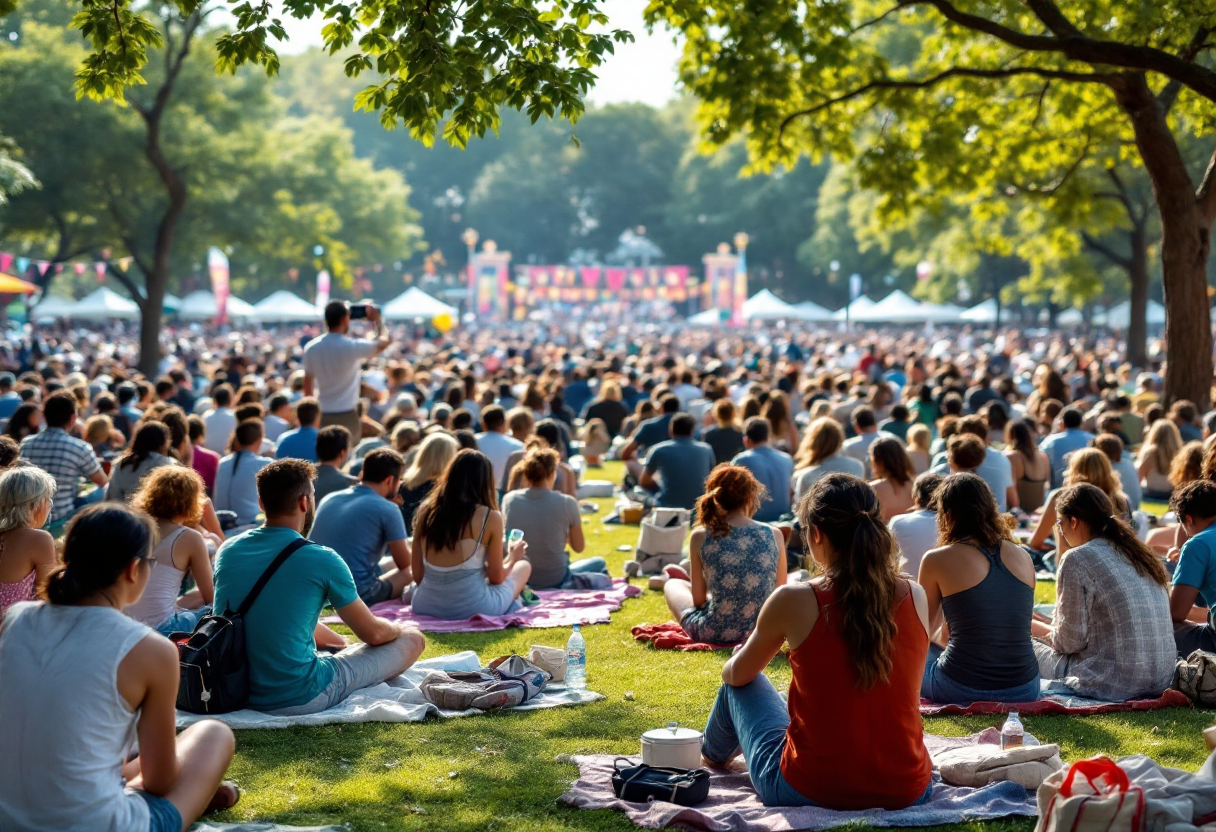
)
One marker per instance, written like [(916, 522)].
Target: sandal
[(226, 796)]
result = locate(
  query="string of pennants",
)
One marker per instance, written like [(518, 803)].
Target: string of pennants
[(22, 266), (585, 284)]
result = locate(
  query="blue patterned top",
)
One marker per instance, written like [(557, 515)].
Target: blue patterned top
[(740, 573)]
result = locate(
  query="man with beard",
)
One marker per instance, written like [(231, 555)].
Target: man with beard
[(286, 676)]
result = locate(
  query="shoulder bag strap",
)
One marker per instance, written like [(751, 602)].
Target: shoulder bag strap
[(282, 557), (481, 534)]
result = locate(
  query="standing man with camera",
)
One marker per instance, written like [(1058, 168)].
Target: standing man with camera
[(333, 364)]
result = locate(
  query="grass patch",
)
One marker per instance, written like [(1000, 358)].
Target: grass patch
[(499, 771)]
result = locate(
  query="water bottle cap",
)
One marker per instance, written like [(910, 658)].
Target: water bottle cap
[(576, 628)]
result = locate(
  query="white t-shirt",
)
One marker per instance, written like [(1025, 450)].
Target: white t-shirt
[(916, 533), (220, 422), (498, 447), (333, 362)]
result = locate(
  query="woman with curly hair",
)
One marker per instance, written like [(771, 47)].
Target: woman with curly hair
[(858, 636), (735, 562), (980, 584)]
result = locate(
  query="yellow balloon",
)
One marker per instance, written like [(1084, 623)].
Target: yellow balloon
[(442, 322)]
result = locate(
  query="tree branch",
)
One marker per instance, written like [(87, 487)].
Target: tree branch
[(953, 72), (1059, 182), (1206, 195), (1107, 252), (1169, 93), (127, 283)]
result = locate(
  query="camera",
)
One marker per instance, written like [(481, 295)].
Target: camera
[(358, 310)]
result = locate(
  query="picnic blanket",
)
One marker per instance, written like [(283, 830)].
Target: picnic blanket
[(734, 807), (671, 636), (1055, 702), (255, 826), (557, 608), (398, 700)]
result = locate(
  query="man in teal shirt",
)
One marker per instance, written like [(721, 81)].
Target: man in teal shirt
[(286, 676), (1195, 575)]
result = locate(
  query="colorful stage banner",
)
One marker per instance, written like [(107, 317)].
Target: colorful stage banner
[(593, 284)]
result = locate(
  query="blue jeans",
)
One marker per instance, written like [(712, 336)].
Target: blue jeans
[(937, 687), (753, 718), (162, 815), (182, 621)]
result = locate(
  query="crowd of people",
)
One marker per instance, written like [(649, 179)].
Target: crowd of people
[(882, 502)]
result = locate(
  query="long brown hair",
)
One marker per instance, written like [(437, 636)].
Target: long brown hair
[(890, 461), (823, 439), (452, 503), (1091, 506), (728, 488), (864, 571), (967, 511), (1190, 464)]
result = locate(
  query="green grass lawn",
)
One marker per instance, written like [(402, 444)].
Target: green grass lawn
[(500, 771)]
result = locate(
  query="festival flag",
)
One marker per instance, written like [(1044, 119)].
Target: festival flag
[(322, 289), (79, 267), (23, 266), (217, 265), (100, 268), (6, 260)]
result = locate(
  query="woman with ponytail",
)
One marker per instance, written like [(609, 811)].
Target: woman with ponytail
[(981, 584), (82, 682), (851, 736), (1111, 637), (735, 562)]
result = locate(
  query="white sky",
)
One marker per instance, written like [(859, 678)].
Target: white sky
[(644, 70)]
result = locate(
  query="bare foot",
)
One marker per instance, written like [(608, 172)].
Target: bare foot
[(226, 796), (734, 764)]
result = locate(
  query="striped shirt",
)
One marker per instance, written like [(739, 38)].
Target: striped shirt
[(65, 458)]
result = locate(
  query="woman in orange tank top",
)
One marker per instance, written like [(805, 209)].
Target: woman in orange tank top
[(851, 737)]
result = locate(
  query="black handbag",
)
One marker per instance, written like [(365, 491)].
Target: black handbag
[(214, 666), (640, 783)]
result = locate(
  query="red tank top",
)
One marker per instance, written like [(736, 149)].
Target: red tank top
[(849, 748)]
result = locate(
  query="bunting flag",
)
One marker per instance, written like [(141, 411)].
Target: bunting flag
[(6, 260), (80, 267), (100, 268)]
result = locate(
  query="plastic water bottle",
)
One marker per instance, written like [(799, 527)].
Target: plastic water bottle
[(576, 661), (1012, 732)]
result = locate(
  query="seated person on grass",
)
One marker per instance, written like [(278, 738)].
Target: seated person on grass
[(1195, 575), (981, 584), (550, 522), (916, 531), (363, 523), (82, 682), (333, 449), (736, 562), (678, 467), (1111, 636), (236, 488), (286, 677), (858, 636)]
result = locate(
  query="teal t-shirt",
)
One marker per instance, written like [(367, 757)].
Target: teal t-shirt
[(1197, 564), (284, 668)]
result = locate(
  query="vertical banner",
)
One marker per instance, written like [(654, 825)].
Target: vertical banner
[(736, 312), (718, 290), (322, 289), (491, 278), (217, 265)]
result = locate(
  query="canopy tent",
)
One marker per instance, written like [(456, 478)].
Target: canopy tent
[(765, 306), (52, 307), (897, 307), (808, 311), (171, 303), (283, 306), (981, 313), (710, 317), (201, 306), (10, 285), (859, 306), (1119, 316), (1070, 317), (104, 304), (942, 313), (414, 304)]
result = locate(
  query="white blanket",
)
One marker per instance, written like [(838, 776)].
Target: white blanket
[(397, 700)]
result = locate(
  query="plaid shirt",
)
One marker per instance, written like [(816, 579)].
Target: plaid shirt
[(1113, 624), (65, 458)]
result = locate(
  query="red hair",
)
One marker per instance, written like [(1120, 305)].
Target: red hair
[(728, 488)]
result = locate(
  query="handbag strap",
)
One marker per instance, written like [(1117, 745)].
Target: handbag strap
[(289, 550)]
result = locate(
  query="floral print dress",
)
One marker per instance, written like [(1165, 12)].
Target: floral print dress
[(740, 573)]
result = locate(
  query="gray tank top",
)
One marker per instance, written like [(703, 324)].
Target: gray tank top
[(64, 728)]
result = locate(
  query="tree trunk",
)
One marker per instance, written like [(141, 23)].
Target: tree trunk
[(1137, 274), (1185, 246)]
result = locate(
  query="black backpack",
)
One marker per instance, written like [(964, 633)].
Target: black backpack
[(214, 671)]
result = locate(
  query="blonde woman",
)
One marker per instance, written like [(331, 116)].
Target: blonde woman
[(1157, 457), (27, 553), (820, 455), (430, 462), (919, 440), (1088, 465)]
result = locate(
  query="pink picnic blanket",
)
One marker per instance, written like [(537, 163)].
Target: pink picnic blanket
[(1059, 703), (733, 806), (557, 608), (671, 636)]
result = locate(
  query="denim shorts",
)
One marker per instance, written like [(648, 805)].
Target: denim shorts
[(376, 591), (162, 815)]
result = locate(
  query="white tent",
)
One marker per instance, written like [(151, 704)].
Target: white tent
[(942, 313), (52, 307), (710, 317), (1119, 316), (982, 313), (859, 306), (808, 311), (765, 306), (283, 306), (897, 307), (171, 303), (201, 306), (1070, 317), (105, 304), (414, 304)]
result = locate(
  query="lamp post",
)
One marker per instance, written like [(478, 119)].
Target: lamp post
[(469, 238)]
